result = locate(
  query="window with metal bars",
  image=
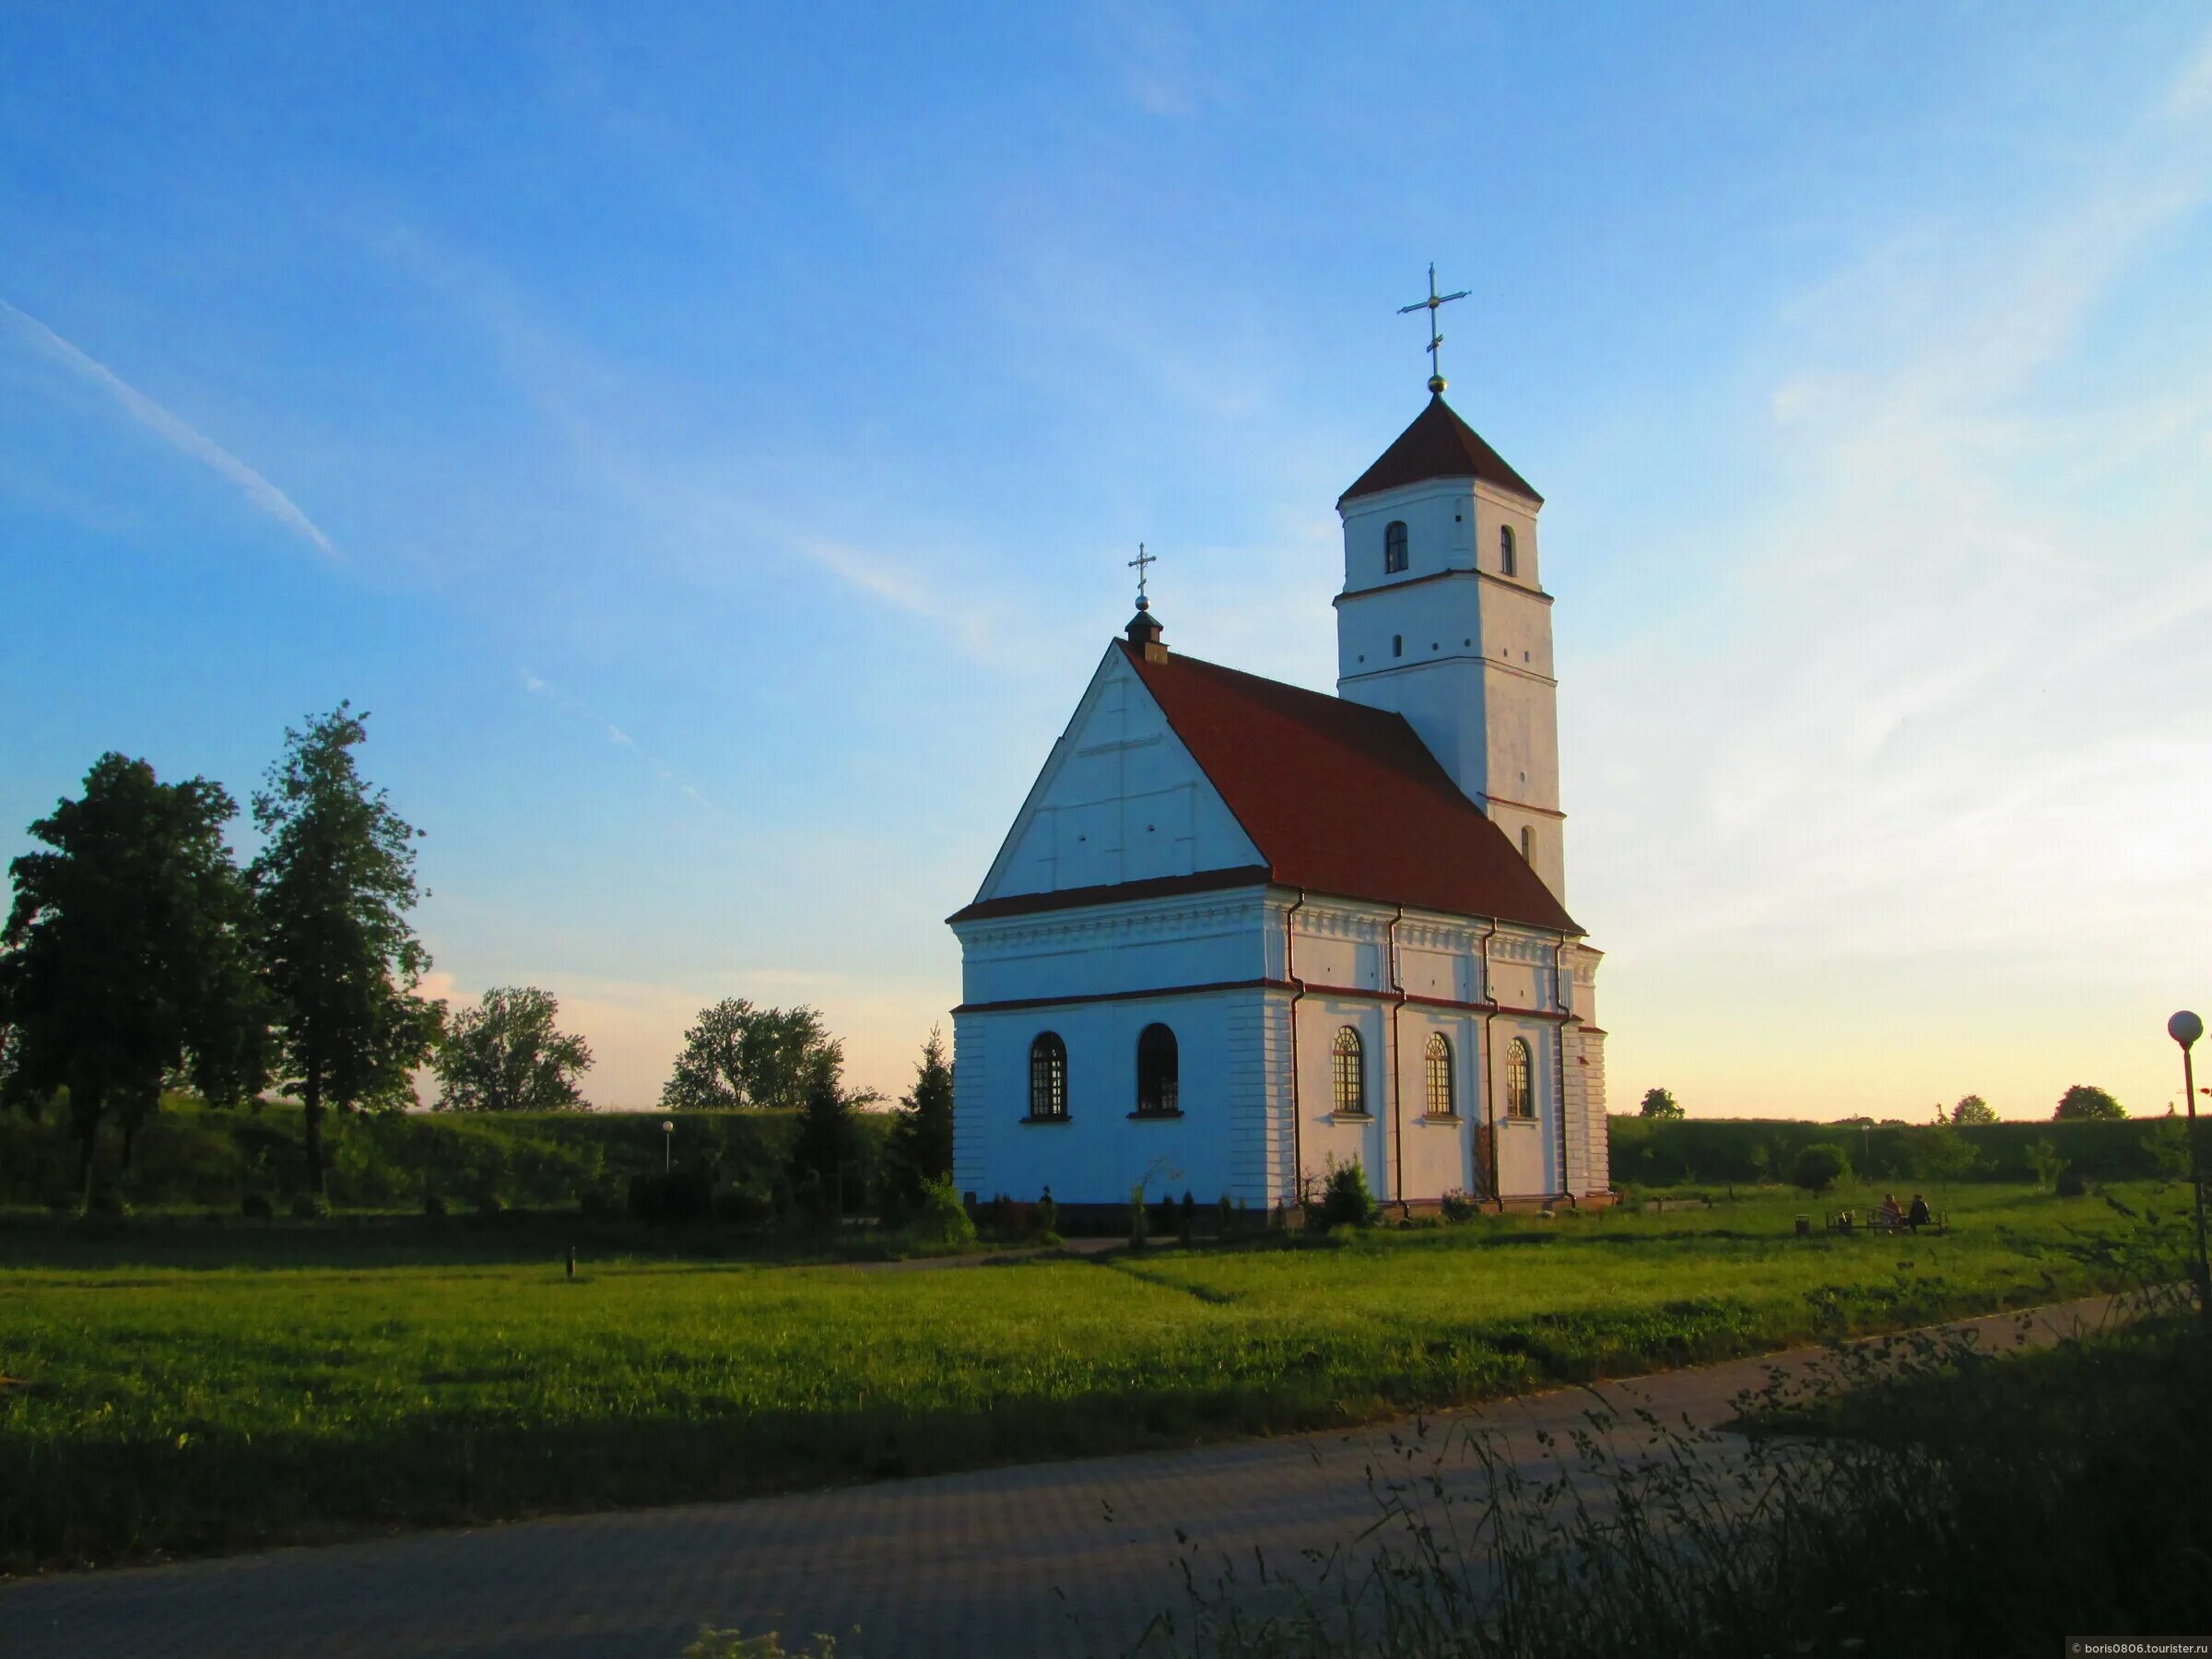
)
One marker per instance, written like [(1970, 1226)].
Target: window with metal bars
[(1048, 1076), (1520, 1090), (1350, 1076), (1440, 1104), (1159, 1087)]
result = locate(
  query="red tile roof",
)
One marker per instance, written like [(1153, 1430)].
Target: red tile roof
[(1341, 798), (1438, 444)]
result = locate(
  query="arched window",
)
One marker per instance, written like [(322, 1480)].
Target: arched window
[(1351, 1077), (1528, 844), (1440, 1076), (1505, 549), (1048, 1076), (1520, 1092), (1158, 1085), (1393, 546)]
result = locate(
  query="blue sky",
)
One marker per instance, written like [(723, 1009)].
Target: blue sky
[(708, 440)]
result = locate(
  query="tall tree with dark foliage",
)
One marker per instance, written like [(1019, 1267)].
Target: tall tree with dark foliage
[(126, 958), (920, 1143), (333, 885)]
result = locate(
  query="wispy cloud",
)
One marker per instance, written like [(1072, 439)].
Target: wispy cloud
[(1938, 722), (174, 429), (614, 734)]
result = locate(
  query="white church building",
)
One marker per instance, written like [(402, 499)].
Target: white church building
[(1239, 930)]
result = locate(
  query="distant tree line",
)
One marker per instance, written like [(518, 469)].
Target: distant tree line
[(138, 956)]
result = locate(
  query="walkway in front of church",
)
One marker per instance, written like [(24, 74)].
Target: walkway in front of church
[(1046, 1559)]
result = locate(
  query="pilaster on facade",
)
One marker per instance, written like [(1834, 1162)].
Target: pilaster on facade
[(970, 1106)]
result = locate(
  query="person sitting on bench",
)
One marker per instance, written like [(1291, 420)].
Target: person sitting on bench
[(1888, 1219), (1918, 1216)]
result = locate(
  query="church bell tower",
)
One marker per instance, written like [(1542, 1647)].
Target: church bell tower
[(1443, 619)]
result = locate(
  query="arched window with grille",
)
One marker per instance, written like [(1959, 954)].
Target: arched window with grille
[(1048, 1076), (1393, 546), (1440, 1102), (1351, 1077), (1158, 1084), (1507, 560), (1520, 1087)]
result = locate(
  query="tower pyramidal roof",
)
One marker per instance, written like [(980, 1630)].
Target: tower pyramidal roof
[(1438, 444)]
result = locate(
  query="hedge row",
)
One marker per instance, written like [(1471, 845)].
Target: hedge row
[(190, 1154), (1672, 1151)]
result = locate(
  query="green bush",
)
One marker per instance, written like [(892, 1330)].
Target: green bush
[(675, 1198), (255, 1206), (433, 1206), (1456, 1206), (1344, 1200), (2071, 1183), (941, 1222), (1819, 1167)]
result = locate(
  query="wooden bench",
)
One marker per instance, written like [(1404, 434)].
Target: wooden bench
[(1938, 1221)]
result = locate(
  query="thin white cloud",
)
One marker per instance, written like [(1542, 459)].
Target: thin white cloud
[(175, 431), (538, 687), (2190, 93)]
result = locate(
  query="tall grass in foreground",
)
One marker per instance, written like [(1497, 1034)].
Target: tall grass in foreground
[(1916, 1495)]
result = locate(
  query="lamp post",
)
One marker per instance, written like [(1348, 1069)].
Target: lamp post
[(2186, 1028), (667, 1144)]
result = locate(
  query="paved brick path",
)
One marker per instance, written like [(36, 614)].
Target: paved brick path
[(1067, 1558)]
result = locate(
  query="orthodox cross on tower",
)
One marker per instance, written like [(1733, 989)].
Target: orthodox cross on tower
[(1140, 564), (1436, 337)]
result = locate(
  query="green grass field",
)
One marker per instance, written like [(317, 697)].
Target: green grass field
[(160, 1403)]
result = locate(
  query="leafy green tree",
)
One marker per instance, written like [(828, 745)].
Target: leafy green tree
[(828, 1145), (126, 957), (1819, 1167), (1659, 1103), (740, 1055), (921, 1142), (1940, 1153), (333, 884), (1973, 1109), (2085, 1102), (506, 1054), (2044, 1160)]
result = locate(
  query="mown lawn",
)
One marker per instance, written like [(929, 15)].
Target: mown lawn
[(156, 1408)]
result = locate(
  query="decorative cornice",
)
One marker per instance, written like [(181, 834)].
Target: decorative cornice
[(1113, 893), (1013, 1005)]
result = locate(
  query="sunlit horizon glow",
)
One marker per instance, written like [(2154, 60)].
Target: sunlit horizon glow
[(711, 452)]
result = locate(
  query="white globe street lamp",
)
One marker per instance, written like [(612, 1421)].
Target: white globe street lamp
[(2186, 1028), (667, 1144)]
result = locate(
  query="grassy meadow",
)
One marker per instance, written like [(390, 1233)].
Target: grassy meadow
[(166, 1398)]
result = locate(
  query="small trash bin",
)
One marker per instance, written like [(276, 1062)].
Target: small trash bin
[(1804, 1227)]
